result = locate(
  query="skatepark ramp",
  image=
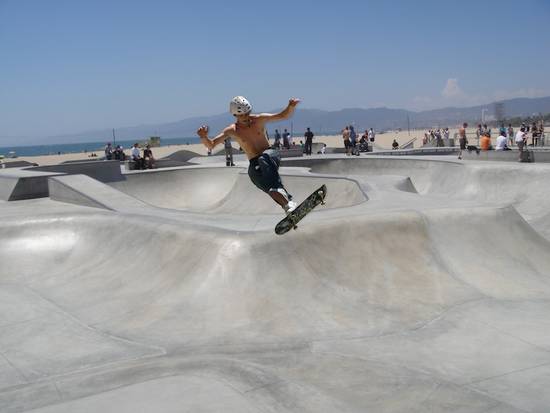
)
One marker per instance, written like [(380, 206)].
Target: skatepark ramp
[(157, 292), (495, 183), (228, 190), (406, 307)]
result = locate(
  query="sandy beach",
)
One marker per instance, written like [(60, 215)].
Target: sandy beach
[(383, 141)]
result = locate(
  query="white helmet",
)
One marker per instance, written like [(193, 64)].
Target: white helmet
[(239, 106)]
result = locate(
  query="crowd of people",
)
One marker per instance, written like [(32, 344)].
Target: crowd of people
[(285, 141), (506, 138), (116, 153), (439, 136), (353, 145), (141, 161)]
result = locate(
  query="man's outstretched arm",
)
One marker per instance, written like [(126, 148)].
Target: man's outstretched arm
[(211, 143), (284, 114)]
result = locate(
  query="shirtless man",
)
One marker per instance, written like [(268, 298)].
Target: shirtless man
[(347, 143), (249, 132)]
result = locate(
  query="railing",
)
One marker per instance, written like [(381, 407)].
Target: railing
[(409, 144)]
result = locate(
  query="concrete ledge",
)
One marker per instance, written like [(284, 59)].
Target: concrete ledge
[(342, 150), (83, 190), (17, 164), (421, 151), (19, 184), (159, 164), (291, 153), (65, 191), (506, 156), (103, 171)]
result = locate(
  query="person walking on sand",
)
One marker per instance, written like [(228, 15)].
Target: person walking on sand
[(249, 131)]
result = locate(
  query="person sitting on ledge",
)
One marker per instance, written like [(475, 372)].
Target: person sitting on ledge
[(395, 144), (136, 157), (485, 142), (148, 157), (501, 143)]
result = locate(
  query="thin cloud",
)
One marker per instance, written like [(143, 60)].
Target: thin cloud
[(451, 89)]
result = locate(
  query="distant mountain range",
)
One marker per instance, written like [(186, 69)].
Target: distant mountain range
[(323, 122)]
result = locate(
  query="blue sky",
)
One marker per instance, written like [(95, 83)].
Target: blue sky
[(75, 65)]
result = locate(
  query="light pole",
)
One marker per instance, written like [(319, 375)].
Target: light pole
[(483, 115)]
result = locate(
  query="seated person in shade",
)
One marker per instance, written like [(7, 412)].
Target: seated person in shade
[(119, 153), (501, 143), (485, 142), (148, 157), (136, 157), (108, 151), (395, 144)]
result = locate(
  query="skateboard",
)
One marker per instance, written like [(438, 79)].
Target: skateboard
[(292, 219)]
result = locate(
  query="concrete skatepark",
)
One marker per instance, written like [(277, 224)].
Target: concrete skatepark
[(422, 286)]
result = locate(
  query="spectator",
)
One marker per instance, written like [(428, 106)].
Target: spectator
[(520, 141), (462, 141), (277, 143), (371, 135), (502, 130), (535, 134), (510, 134), (286, 140), (486, 129), (108, 151), (309, 141), (364, 142), (353, 140), (439, 139), (323, 149), (479, 132), (136, 157), (148, 158), (501, 142), (395, 144), (446, 134), (485, 142), (119, 153), (229, 149), (347, 143)]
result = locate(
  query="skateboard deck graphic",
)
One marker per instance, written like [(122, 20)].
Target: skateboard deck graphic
[(290, 221)]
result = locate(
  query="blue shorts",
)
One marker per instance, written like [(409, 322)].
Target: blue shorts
[(264, 171)]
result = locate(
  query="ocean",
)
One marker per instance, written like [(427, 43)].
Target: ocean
[(37, 150)]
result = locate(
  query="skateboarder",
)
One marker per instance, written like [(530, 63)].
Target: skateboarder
[(249, 132)]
